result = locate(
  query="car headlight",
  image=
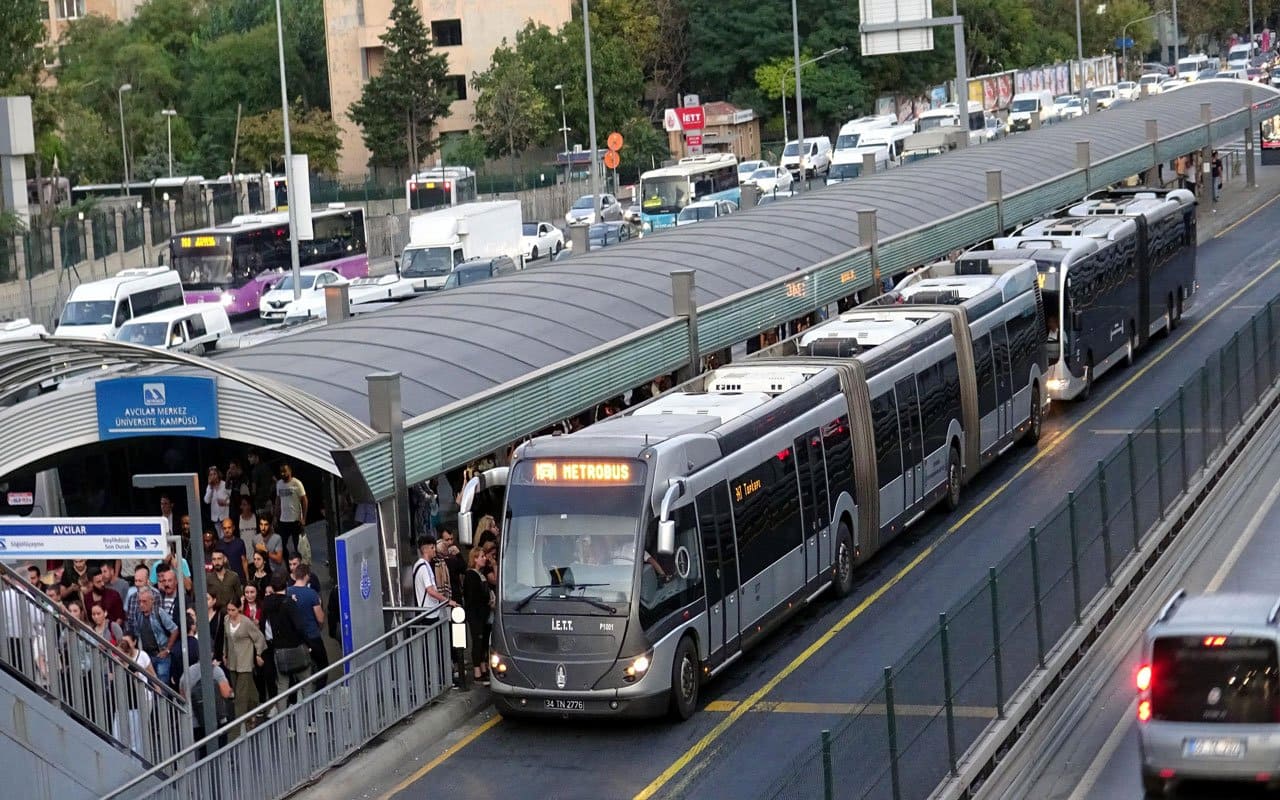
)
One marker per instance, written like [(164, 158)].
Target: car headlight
[(227, 298), (638, 667)]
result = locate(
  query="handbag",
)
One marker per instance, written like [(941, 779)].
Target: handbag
[(292, 660)]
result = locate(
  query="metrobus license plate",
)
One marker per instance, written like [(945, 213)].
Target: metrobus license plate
[(1213, 748), (564, 705)]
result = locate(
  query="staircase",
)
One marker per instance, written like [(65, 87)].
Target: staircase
[(77, 717)]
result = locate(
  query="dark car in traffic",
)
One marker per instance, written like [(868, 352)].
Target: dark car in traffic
[(479, 269), (603, 234)]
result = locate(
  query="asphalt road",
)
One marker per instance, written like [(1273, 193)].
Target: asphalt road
[(1100, 760), (770, 706)]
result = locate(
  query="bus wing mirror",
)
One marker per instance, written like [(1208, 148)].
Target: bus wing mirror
[(464, 528), (666, 537), (485, 480)]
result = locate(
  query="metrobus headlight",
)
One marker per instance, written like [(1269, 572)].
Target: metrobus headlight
[(1056, 384), (497, 662), (638, 666)]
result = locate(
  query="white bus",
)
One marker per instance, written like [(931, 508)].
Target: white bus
[(667, 190), (440, 187)]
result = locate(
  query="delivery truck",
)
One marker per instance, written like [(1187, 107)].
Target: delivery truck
[(441, 240)]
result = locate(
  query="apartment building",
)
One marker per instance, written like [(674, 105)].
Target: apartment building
[(61, 13), (467, 31)]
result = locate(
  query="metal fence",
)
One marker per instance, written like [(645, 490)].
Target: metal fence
[(932, 704), (384, 682), (63, 659)]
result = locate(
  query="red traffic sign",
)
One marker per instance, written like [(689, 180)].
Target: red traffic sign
[(611, 159), (615, 142), (692, 118), (693, 140)]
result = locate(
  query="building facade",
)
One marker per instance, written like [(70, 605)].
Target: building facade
[(467, 31), (61, 13), (728, 129)]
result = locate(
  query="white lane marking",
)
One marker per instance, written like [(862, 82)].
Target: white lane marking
[(1103, 758), (1238, 549)]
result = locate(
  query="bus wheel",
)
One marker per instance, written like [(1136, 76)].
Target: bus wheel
[(1131, 351), (953, 479), (1088, 381), (1177, 311), (684, 680), (1036, 417), (844, 561)]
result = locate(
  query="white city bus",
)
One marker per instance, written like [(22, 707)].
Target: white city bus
[(667, 190)]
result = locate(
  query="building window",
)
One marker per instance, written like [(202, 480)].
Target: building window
[(70, 9), (446, 32), (457, 85)]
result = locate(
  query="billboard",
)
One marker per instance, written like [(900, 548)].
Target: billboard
[(893, 12)]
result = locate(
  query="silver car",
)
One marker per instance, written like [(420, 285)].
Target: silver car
[(581, 212), (1208, 689)]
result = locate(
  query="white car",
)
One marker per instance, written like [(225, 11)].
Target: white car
[(745, 168), (539, 239), (1127, 90), (704, 210), (363, 294), (272, 305), (1104, 97), (582, 214), (1172, 84), (770, 179), (1152, 82), (1069, 106)]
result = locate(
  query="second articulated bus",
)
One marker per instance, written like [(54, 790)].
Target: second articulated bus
[(645, 553)]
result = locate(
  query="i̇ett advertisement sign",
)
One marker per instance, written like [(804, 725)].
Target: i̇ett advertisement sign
[(157, 405)]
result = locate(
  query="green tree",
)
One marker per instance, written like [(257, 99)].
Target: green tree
[(467, 150), (510, 114), (21, 45), (644, 147), (408, 96), (311, 131)]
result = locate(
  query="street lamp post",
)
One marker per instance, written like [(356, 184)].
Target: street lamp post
[(1102, 7), (591, 114), (1176, 51), (1124, 33), (564, 129), (288, 162), (782, 88), (124, 146), (168, 115)]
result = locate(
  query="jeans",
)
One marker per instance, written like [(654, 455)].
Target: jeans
[(162, 666)]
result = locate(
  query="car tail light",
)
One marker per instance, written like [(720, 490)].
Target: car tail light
[(1143, 678), (1144, 710)]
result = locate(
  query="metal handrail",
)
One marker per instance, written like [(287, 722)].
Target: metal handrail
[(66, 661), (337, 669)]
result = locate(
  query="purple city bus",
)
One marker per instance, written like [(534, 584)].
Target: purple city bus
[(234, 264)]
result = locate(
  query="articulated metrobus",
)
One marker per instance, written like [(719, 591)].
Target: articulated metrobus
[(645, 553), (1116, 272), (667, 190)]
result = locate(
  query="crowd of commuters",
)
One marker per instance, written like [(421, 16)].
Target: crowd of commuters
[(444, 577), (263, 604)]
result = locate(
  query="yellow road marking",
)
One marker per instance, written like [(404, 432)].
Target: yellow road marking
[(848, 709), (1244, 219), (443, 757), (678, 766)]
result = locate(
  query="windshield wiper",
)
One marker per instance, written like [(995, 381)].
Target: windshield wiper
[(570, 587)]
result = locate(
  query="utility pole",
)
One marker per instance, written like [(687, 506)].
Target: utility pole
[(591, 115), (795, 54), (288, 162)]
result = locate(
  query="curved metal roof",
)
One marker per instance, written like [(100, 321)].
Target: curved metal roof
[(453, 345)]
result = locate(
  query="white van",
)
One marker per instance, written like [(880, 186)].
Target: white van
[(817, 157), (1190, 67), (1238, 57), (21, 329), (1026, 105), (192, 329), (97, 310)]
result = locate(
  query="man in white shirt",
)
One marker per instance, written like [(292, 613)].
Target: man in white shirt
[(291, 508), (217, 497), (425, 592)]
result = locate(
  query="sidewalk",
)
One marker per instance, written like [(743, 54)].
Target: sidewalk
[(1236, 202)]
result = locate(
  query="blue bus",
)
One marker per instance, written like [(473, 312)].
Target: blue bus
[(665, 191)]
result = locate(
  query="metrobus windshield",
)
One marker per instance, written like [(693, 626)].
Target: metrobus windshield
[(664, 195), (572, 532)]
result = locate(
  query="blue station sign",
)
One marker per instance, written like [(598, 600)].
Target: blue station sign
[(83, 537), (157, 405)]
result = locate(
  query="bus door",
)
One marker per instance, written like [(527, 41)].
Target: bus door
[(912, 444), (1004, 381), (811, 469), (720, 559)]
